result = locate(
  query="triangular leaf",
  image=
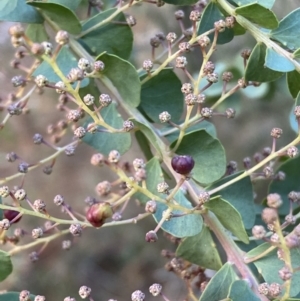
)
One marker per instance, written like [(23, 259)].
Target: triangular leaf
[(111, 37), (278, 62), (71, 4), (61, 15), (201, 250), (256, 70), (293, 82), (205, 125), (123, 76), (240, 196), (187, 225), (5, 265), (265, 3), (161, 93), (241, 289), (210, 15), (297, 53), (154, 176), (270, 265), (19, 11), (229, 218), (208, 154), (287, 32), (258, 250), (148, 132), (105, 142), (258, 14), (218, 287), (37, 33), (181, 2), (144, 144)]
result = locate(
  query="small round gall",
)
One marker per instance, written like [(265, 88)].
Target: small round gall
[(183, 164)]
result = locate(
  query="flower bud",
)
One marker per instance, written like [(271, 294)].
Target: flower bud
[(98, 213), (269, 215), (151, 206), (151, 236), (258, 232), (155, 289), (274, 200)]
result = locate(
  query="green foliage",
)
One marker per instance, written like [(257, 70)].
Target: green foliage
[(143, 144), (256, 69), (239, 290), (19, 11), (205, 125), (229, 217), (181, 2), (288, 30), (240, 196), (183, 226), (37, 33), (6, 266), (269, 266), (201, 250), (111, 37), (71, 4), (296, 53), (65, 61), (104, 142), (278, 62), (258, 250), (108, 37), (210, 15), (208, 153), (265, 3), (258, 14), (154, 176), (59, 14), (291, 183), (218, 286), (160, 93), (149, 134), (293, 82), (13, 296), (123, 76)]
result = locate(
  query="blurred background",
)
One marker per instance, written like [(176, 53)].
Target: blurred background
[(116, 261)]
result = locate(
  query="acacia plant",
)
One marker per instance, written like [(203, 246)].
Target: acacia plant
[(180, 175)]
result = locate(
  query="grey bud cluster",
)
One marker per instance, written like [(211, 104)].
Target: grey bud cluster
[(190, 99), (181, 62), (147, 65), (75, 229), (171, 37), (103, 188), (163, 187), (84, 292), (62, 37), (137, 296), (105, 100), (276, 133), (41, 81), (114, 156), (4, 191), (164, 117)]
